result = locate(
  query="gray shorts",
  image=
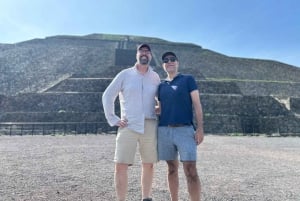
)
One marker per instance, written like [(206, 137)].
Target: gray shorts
[(176, 140), (127, 142)]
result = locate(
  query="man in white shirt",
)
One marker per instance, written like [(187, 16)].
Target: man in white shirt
[(136, 87)]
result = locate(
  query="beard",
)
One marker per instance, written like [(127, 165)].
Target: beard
[(144, 60)]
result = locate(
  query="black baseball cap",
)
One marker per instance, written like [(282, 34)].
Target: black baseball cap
[(144, 45), (168, 54)]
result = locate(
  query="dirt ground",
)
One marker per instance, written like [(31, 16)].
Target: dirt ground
[(80, 168)]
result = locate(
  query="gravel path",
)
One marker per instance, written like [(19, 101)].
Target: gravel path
[(74, 168)]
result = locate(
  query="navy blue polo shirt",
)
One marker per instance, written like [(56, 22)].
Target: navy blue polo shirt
[(176, 101)]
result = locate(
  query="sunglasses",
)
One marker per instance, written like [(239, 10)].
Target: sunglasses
[(144, 51), (172, 59)]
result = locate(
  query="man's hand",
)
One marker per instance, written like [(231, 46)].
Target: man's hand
[(199, 136), (122, 123)]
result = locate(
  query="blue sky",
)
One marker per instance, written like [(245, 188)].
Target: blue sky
[(262, 29)]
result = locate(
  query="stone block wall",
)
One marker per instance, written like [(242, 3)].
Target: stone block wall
[(226, 110), (49, 102), (295, 105)]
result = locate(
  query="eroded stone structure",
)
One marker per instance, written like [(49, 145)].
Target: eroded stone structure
[(57, 83)]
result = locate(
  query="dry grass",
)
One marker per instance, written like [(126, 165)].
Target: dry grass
[(73, 168)]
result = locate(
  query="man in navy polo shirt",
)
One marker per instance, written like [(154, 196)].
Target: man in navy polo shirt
[(178, 96)]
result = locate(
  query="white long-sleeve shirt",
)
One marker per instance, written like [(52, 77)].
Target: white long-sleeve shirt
[(136, 95)]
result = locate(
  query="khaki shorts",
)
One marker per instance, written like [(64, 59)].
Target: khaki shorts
[(127, 141)]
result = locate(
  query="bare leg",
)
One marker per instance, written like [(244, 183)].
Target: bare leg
[(193, 181), (121, 180), (146, 180), (173, 179)]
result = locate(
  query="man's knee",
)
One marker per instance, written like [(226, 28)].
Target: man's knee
[(190, 170), (172, 167), (147, 166), (121, 167)]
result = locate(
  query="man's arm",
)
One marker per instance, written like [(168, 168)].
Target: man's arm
[(108, 100), (199, 136)]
